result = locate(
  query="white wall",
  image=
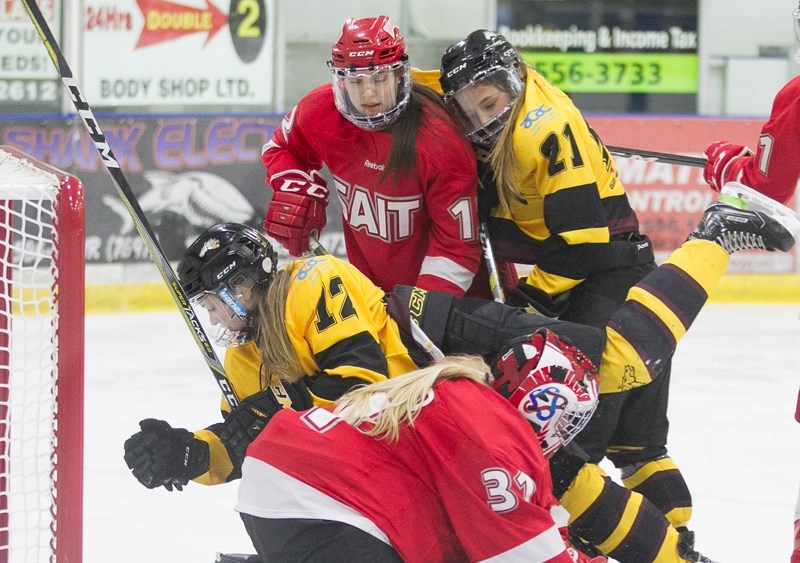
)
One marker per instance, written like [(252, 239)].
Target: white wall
[(739, 27), (733, 33), (315, 20), (736, 80)]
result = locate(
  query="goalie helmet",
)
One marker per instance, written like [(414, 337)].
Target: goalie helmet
[(551, 383), (481, 77), (370, 71), (223, 272)]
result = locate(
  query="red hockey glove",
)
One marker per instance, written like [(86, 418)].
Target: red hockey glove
[(720, 155), (297, 210)]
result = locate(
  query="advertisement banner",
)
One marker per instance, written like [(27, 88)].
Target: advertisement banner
[(190, 172), (28, 79), (611, 55), (606, 47), (669, 199), (192, 53)]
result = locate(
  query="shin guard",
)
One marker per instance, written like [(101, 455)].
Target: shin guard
[(621, 523)]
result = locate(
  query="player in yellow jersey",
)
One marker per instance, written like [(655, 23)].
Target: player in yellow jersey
[(310, 331), (554, 200)]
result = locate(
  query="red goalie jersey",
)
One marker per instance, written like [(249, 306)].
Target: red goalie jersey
[(466, 482), (415, 228)]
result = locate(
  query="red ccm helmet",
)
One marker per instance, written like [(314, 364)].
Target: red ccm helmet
[(370, 71), (551, 383)]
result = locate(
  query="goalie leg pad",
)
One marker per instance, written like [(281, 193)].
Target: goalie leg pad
[(429, 310), (476, 326)]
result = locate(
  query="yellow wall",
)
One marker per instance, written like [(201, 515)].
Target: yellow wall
[(734, 288)]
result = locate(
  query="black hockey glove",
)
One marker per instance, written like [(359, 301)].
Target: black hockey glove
[(525, 295), (244, 422), (161, 455)]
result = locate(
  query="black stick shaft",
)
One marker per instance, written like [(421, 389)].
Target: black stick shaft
[(657, 156)]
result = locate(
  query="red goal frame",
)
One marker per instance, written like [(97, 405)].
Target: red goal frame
[(68, 294)]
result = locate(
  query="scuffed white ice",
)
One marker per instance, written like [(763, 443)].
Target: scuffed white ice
[(735, 383)]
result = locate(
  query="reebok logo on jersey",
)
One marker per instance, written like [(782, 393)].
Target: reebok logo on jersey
[(374, 166)]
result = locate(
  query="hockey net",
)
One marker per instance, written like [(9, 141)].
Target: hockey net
[(41, 361)]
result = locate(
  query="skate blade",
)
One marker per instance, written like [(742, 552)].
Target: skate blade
[(757, 201)]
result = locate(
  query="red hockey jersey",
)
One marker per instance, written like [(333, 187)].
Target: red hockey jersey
[(466, 482), (775, 167), (418, 230)]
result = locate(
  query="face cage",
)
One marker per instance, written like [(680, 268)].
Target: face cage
[(485, 134), (562, 421), (379, 120), (574, 418), (235, 324)]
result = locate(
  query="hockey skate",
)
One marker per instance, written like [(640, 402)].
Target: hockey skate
[(743, 219), (686, 547)]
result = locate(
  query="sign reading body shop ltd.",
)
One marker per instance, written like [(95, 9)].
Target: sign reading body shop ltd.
[(607, 46), (187, 53)]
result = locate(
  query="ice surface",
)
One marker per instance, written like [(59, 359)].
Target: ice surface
[(735, 383)]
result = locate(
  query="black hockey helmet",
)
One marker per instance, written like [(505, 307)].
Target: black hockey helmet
[(224, 271), (483, 58)]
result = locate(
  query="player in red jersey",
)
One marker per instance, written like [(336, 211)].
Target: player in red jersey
[(773, 170), (775, 166), (335, 330), (405, 177), (432, 466)]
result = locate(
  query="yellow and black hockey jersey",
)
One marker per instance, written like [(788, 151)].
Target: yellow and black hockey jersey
[(574, 203), (338, 323)]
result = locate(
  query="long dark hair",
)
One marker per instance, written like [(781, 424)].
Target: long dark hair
[(423, 103)]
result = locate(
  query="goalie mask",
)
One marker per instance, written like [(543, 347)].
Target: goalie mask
[(224, 272), (370, 71), (551, 383), (481, 77)]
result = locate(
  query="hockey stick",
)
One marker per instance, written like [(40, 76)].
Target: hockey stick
[(491, 264), (129, 199), (314, 246), (657, 156)]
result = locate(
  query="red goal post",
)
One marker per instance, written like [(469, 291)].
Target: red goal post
[(42, 232)]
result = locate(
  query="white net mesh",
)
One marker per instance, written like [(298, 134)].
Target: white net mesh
[(28, 360)]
